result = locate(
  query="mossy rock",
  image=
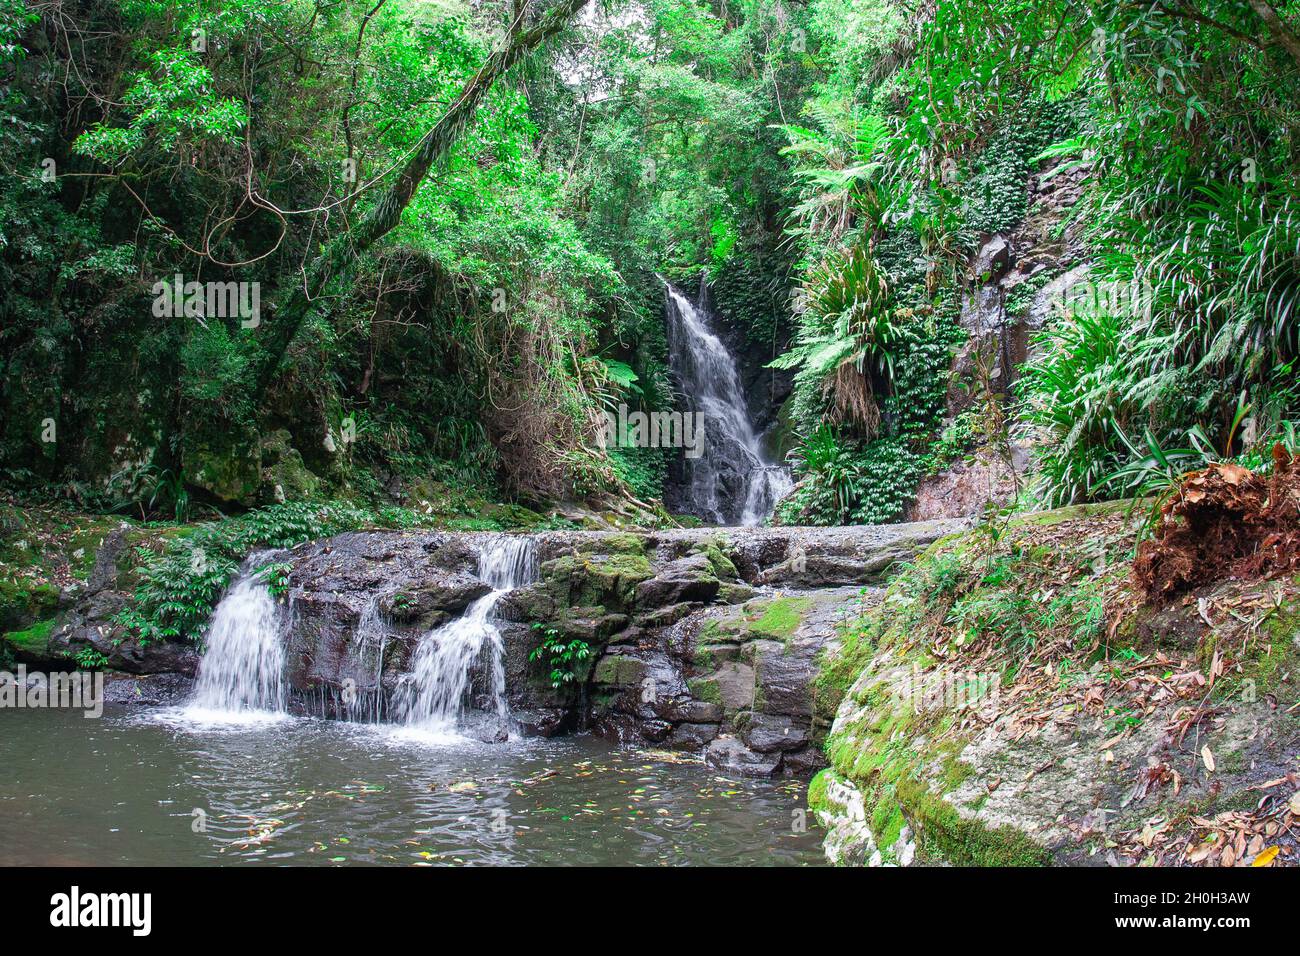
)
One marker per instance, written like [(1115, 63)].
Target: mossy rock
[(33, 642), (778, 618), (605, 579), (734, 592), (705, 689), (723, 567), (225, 470), (617, 670), (21, 603), (283, 469)]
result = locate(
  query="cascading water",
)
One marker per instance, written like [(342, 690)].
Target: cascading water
[(242, 673), (433, 699), (733, 481)]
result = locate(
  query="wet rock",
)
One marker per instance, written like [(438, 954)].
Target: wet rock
[(692, 737), (785, 676), (803, 763), (734, 593), (665, 616), (104, 573), (767, 733), (734, 683), (686, 579), (435, 600), (729, 754), (150, 690), (543, 721), (993, 258), (528, 604), (91, 625), (617, 670), (655, 730), (617, 728), (694, 711)]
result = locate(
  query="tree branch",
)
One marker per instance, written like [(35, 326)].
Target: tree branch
[(337, 258), (1281, 32)]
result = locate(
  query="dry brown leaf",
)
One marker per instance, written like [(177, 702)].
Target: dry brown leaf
[(1207, 757)]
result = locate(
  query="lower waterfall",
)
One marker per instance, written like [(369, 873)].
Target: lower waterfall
[(242, 675), (242, 672), (432, 698)]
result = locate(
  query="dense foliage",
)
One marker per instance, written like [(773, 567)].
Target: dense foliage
[(922, 139), (475, 344)]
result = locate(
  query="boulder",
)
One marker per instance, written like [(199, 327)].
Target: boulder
[(729, 754), (767, 733), (90, 624), (687, 579)]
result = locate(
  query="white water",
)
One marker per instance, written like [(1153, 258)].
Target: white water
[(241, 677), (734, 481), (432, 700)]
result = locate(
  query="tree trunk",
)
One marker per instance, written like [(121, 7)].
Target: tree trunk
[(336, 259), (1278, 28)]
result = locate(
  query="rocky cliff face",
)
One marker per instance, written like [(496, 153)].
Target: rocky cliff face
[(1016, 279)]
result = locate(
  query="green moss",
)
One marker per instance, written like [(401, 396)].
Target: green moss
[(1274, 660), (839, 667), (705, 689), (22, 601), (702, 657), (622, 543), (608, 580), (780, 617), (817, 786), (619, 671), (731, 593), (33, 640), (887, 820), (718, 560), (944, 835)]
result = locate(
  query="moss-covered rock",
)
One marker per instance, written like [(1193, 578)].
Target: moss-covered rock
[(1100, 684)]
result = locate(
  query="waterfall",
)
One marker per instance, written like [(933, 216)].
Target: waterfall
[(242, 672), (432, 700), (733, 481)]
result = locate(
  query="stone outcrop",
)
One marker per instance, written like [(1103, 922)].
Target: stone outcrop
[(1045, 713), (703, 640), (87, 623)]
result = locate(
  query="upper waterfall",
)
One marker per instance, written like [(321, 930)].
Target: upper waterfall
[(734, 481)]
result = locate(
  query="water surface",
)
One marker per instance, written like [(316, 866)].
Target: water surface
[(125, 789)]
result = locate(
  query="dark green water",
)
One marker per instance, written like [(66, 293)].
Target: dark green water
[(124, 790)]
